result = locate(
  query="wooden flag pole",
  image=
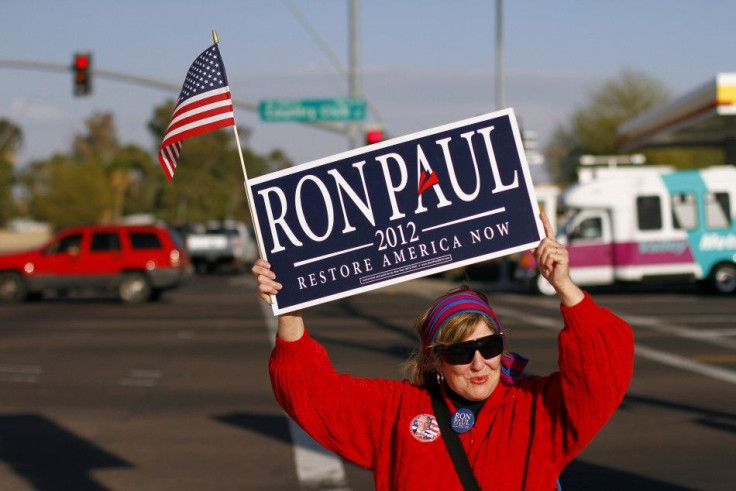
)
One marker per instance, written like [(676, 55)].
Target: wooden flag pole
[(248, 192), (216, 39)]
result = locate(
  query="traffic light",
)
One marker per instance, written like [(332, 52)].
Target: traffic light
[(373, 135), (82, 69)]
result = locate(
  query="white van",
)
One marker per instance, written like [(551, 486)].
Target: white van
[(631, 224)]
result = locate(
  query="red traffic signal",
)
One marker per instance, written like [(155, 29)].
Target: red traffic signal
[(82, 74), (81, 62), (373, 135)]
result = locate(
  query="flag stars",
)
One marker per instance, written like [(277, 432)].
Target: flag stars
[(205, 73)]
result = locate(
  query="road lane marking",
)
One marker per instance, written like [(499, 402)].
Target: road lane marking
[(659, 325), (23, 374), (655, 324), (27, 369), (705, 318), (18, 378), (715, 333), (715, 358), (141, 378), (686, 364), (316, 467), (146, 373)]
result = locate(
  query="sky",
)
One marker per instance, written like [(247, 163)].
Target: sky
[(423, 63)]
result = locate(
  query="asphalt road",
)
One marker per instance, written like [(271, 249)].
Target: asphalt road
[(175, 395)]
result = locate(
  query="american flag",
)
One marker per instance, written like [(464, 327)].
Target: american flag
[(204, 105)]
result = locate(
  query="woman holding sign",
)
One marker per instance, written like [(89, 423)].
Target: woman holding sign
[(465, 419)]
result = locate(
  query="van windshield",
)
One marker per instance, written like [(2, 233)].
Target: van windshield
[(567, 219)]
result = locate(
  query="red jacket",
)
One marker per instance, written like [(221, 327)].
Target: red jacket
[(523, 436)]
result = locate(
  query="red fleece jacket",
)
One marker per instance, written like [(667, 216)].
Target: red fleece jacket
[(523, 436)]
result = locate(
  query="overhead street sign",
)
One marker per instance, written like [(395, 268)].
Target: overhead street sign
[(307, 110)]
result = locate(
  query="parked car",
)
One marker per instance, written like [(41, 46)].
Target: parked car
[(138, 262), (216, 244)]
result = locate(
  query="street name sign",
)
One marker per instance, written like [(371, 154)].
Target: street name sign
[(310, 110)]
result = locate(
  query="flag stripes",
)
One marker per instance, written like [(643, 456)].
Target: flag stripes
[(204, 105)]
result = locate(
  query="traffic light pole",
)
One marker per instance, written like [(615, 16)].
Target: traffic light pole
[(340, 129)]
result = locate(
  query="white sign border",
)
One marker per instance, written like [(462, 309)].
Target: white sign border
[(389, 143)]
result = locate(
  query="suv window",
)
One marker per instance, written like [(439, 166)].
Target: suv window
[(70, 243), (177, 238), (145, 240), (105, 241)]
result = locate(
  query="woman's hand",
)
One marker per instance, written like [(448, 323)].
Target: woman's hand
[(554, 265), (267, 284), (291, 325)]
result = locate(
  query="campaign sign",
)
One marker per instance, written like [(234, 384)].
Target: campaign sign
[(396, 210)]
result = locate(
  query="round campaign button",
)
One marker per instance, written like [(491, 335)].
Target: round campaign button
[(462, 420)]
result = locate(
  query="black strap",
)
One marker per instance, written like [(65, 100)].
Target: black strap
[(453, 443)]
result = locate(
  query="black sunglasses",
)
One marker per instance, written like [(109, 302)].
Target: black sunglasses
[(463, 353)]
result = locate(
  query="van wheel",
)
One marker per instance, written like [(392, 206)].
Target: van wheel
[(134, 288), (12, 288), (542, 286), (723, 278)]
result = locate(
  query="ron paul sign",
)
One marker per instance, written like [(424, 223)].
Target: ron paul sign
[(398, 210)]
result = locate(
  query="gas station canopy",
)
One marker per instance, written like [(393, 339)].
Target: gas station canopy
[(704, 117)]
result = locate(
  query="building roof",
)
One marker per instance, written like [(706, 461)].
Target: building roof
[(705, 116)]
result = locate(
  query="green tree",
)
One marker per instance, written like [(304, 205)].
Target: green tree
[(208, 184), (100, 143), (593, 128), (98, 181), (125, 168), (7, 207), (130, 174), (66, 192), (11, 139)]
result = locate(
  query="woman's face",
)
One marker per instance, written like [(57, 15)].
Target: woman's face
[(475, 381)]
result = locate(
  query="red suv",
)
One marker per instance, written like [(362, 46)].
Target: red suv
[(138, 262)]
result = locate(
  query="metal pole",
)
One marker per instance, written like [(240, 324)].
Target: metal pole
[(505, 270), (340, 128), (354, 71), (499, 56)]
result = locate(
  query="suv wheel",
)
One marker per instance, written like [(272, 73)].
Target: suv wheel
[(12, 288), (134, 288)]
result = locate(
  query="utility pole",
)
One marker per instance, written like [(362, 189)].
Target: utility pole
[(354, 71), (499, 56), (505, 269)]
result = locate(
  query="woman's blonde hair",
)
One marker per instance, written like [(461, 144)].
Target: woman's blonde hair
[(421, 368)]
